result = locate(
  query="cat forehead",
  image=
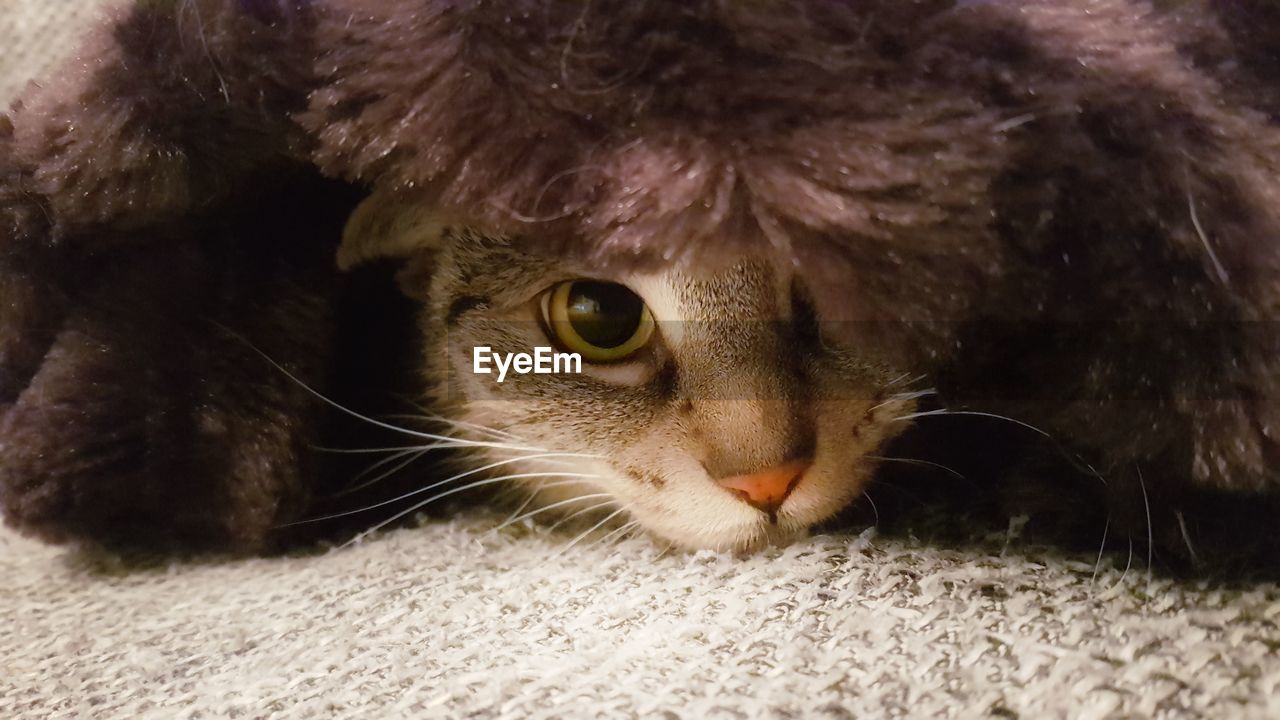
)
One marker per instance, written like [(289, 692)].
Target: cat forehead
[(747, 287)]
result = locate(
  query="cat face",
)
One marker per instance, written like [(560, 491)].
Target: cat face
[(708, 411)]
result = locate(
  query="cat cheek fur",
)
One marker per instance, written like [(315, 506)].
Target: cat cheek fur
[(648, 467)]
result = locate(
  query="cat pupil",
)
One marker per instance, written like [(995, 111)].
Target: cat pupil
[(606, 315)]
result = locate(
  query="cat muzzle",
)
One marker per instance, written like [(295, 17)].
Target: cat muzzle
[(768, 489)]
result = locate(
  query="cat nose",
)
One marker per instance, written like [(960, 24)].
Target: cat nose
[(767, 489)]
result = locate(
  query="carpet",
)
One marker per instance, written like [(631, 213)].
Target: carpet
[(452, 619)]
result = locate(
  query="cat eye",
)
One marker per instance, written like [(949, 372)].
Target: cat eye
[(601, 321)]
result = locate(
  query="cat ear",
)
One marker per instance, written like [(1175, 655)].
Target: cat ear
[(390, 224)]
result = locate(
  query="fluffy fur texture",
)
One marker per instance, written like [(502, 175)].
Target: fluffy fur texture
[(1062, 211)]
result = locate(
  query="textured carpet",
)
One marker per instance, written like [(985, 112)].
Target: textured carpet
[(451, 620)]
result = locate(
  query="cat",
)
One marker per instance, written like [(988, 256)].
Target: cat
[(708, 411), (713, 410)]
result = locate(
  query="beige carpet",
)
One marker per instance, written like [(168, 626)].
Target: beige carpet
[(451, 620)]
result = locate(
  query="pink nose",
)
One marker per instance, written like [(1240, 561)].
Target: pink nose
[(765, 490)]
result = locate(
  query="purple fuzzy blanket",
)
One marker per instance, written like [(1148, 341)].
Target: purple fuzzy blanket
[(1066, 210)]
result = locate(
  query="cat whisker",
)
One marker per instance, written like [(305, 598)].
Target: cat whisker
[(630, 530), (1014, 122), (413, 456), (875, 511), (542, 457), (1186, 537), (583, 511), (903, 397), (617, 533), (590, 530), (905, 379), (1142, 485), (449, 444), (426, 412), (573, 455), (416, 451), (374, 451), (1084, 466), (562, 483), (1072, 458), (670, 546), (1127, 566), (898, 379), (556, 462), (1204, 237), (512, 517), (359, 416), (435, 485), (545, 508), (975, 413), (529, 497), (447, 493), (1101, 549), (914, 461), (452, 423)]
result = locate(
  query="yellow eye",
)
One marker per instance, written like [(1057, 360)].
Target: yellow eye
[(601, 321)]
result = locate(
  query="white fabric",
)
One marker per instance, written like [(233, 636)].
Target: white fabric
[(450, 620)]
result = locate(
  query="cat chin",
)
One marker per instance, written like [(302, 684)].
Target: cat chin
[(748, 538), (691, 513), (744, 530), (738, 528)]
